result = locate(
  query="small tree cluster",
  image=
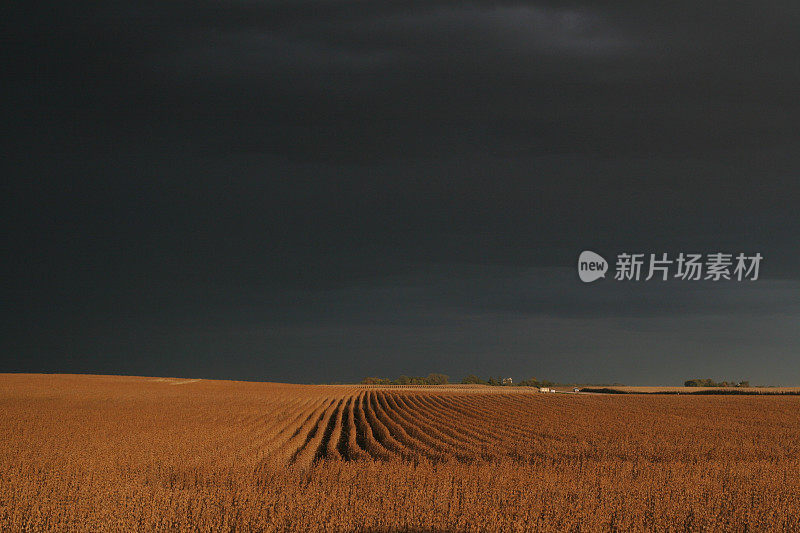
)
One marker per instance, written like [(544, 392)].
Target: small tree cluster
[(533, 382), (697, 382), (472, 379)]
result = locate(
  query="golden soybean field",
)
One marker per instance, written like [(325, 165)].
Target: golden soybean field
[(113, 453)]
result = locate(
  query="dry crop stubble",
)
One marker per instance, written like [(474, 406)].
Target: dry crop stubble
[(110, 453)]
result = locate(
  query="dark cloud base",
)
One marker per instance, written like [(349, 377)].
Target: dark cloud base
[(316, 191)]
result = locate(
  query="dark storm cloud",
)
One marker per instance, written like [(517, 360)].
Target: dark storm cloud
[(245, 187), (345, 80)]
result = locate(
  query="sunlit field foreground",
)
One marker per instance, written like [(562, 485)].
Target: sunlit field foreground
[(98, 453)]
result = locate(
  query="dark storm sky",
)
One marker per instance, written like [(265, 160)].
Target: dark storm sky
[(323, 190)]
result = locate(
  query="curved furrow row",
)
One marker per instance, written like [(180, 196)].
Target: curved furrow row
[(305, 455), (416, 416), (278, 414), (497, 418), (414, 445), (289, 423), (365, 435), (479, 429), (348, 442), (496, 415), (260, 447), (283, 448), (434, 419), (329, 448), (380, 431), (481, 443), (304, 433), (272, 450), (382, 425), (453, 422), (458, 409), (412, 427), (518, 418), (499, 410)]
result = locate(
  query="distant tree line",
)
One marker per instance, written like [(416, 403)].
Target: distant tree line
[(711, 383), (498, 382), (431, 379), (442, 379)]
